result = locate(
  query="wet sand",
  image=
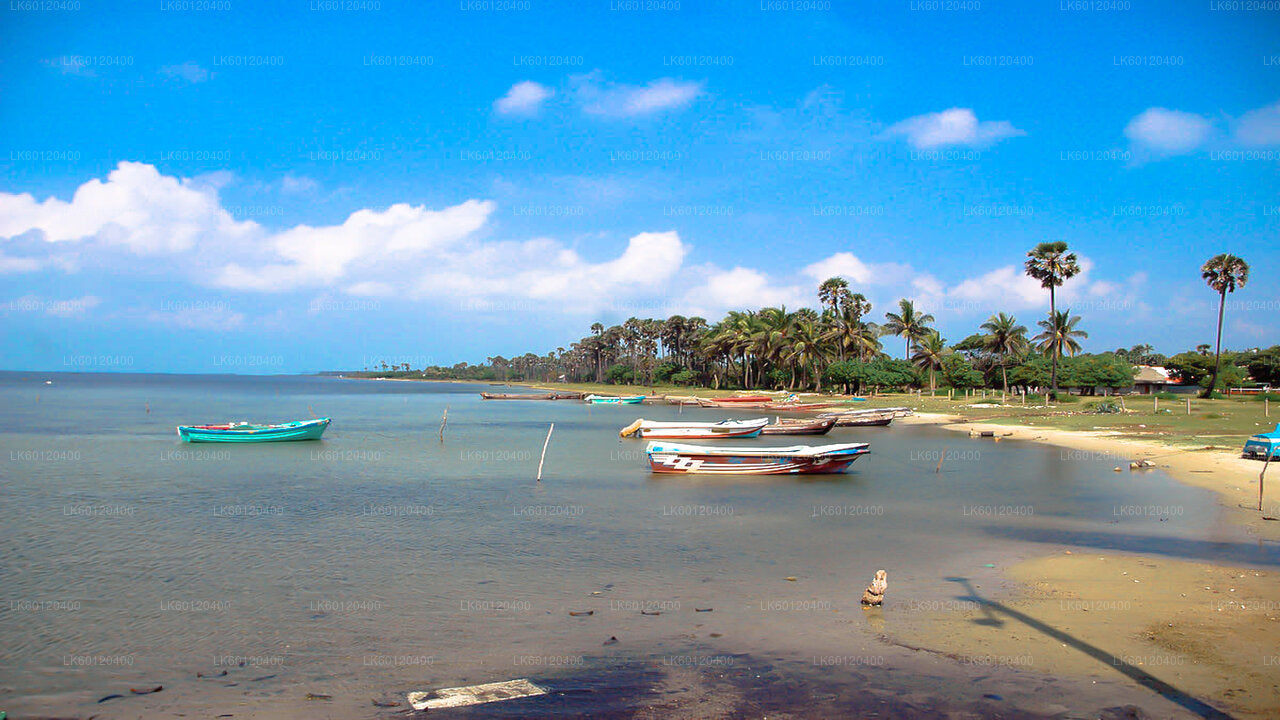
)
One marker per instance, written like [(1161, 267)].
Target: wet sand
[(1205, 636)]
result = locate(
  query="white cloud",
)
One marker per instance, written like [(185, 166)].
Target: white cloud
[(956, 126), (739, 289), (850, 267), (1168, 132), (189, 71), (315, 256), (524, 98), (544, 271), (599, 97), (1259, 127), (137, 208)]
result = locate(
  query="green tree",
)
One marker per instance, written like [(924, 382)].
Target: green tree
[(1059, 338), (1224, 273), (1052, 265), (1005, 339), (930, 353), (908, 323)]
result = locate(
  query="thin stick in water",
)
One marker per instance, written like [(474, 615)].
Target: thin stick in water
[(444, 420), (545, 443)]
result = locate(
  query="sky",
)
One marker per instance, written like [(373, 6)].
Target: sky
[(223, 186)]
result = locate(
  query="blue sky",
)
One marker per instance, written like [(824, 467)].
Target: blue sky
[(210, 186)]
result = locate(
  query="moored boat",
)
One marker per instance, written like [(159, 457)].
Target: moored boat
[(1264, 445), (694, 430), (745, 399), (612, 400), (243, 432), (800, 426), (681, 400), (796, 459), (866, 418), (724, 404), (518, 396)]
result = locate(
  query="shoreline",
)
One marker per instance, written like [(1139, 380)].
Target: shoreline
[(1189, 631)]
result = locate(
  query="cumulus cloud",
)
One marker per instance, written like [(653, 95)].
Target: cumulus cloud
[(405, 251), (851, 267), (137, 208), (1259, 127), (739, 288), (1168, 132), (600, 97), (189, 72), (524, 98), (956, 126)]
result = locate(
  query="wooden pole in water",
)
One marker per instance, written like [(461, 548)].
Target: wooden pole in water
[(444, 420), (1188, 406), (1266, 407), (1261, 475), (545, 443), (1157, 403)]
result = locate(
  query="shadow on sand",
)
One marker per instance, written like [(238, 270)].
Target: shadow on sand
[(992, 612), (1262, 552)]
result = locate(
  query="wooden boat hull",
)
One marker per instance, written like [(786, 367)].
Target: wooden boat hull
[(287, 432), (863, 422), (1263, 445), (598, 400), (694, 459), (516, 396), (819, 427), (695, 431)]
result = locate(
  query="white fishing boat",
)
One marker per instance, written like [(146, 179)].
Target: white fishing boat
[(794, 459), (681, 430)]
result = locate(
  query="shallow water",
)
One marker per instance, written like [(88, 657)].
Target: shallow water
[(381, 560)]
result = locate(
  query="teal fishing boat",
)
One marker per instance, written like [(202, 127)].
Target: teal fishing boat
[(244, 432), (1264, 445), (611, 400)]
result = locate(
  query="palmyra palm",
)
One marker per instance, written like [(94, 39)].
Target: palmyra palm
[(1052, 265)]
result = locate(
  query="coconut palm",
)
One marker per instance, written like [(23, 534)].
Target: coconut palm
[(1052, 265), (931, 351), (1224, 273), (908, 323), (831, 291), (1005, 338), (1060, 335)]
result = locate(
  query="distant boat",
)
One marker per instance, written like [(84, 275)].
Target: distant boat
[(796, 459), (247, 433), (814, 426), (734, 403), (694, 430), (866, 418), (745, 399), (517, 396), (1264, 445), (611, 400)]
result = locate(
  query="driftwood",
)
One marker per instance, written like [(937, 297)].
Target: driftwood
[(874, 594)]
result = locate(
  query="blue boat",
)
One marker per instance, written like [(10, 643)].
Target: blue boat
[(247, 433), (1264, 445), (611, 400)]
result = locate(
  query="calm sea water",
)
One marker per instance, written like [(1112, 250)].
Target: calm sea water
[(382, 560)]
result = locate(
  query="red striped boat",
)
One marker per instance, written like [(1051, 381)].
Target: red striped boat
[(796, 459)]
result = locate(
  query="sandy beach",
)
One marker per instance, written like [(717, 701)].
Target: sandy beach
[(1190, 631)]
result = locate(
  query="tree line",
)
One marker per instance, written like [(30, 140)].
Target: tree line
[(838, 345)]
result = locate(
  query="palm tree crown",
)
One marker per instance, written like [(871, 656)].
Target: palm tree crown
[(908, 323)]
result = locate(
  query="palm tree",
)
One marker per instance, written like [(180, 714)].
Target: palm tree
[(1005, 338), (931, 350), (832, 291), (1052, 265), (908, 323), (1223, 273), (1059, 336)]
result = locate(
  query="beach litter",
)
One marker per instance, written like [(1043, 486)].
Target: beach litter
[(474, 694)]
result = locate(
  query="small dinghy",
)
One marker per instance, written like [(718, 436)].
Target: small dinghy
[(611, 400), (244, 432)]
